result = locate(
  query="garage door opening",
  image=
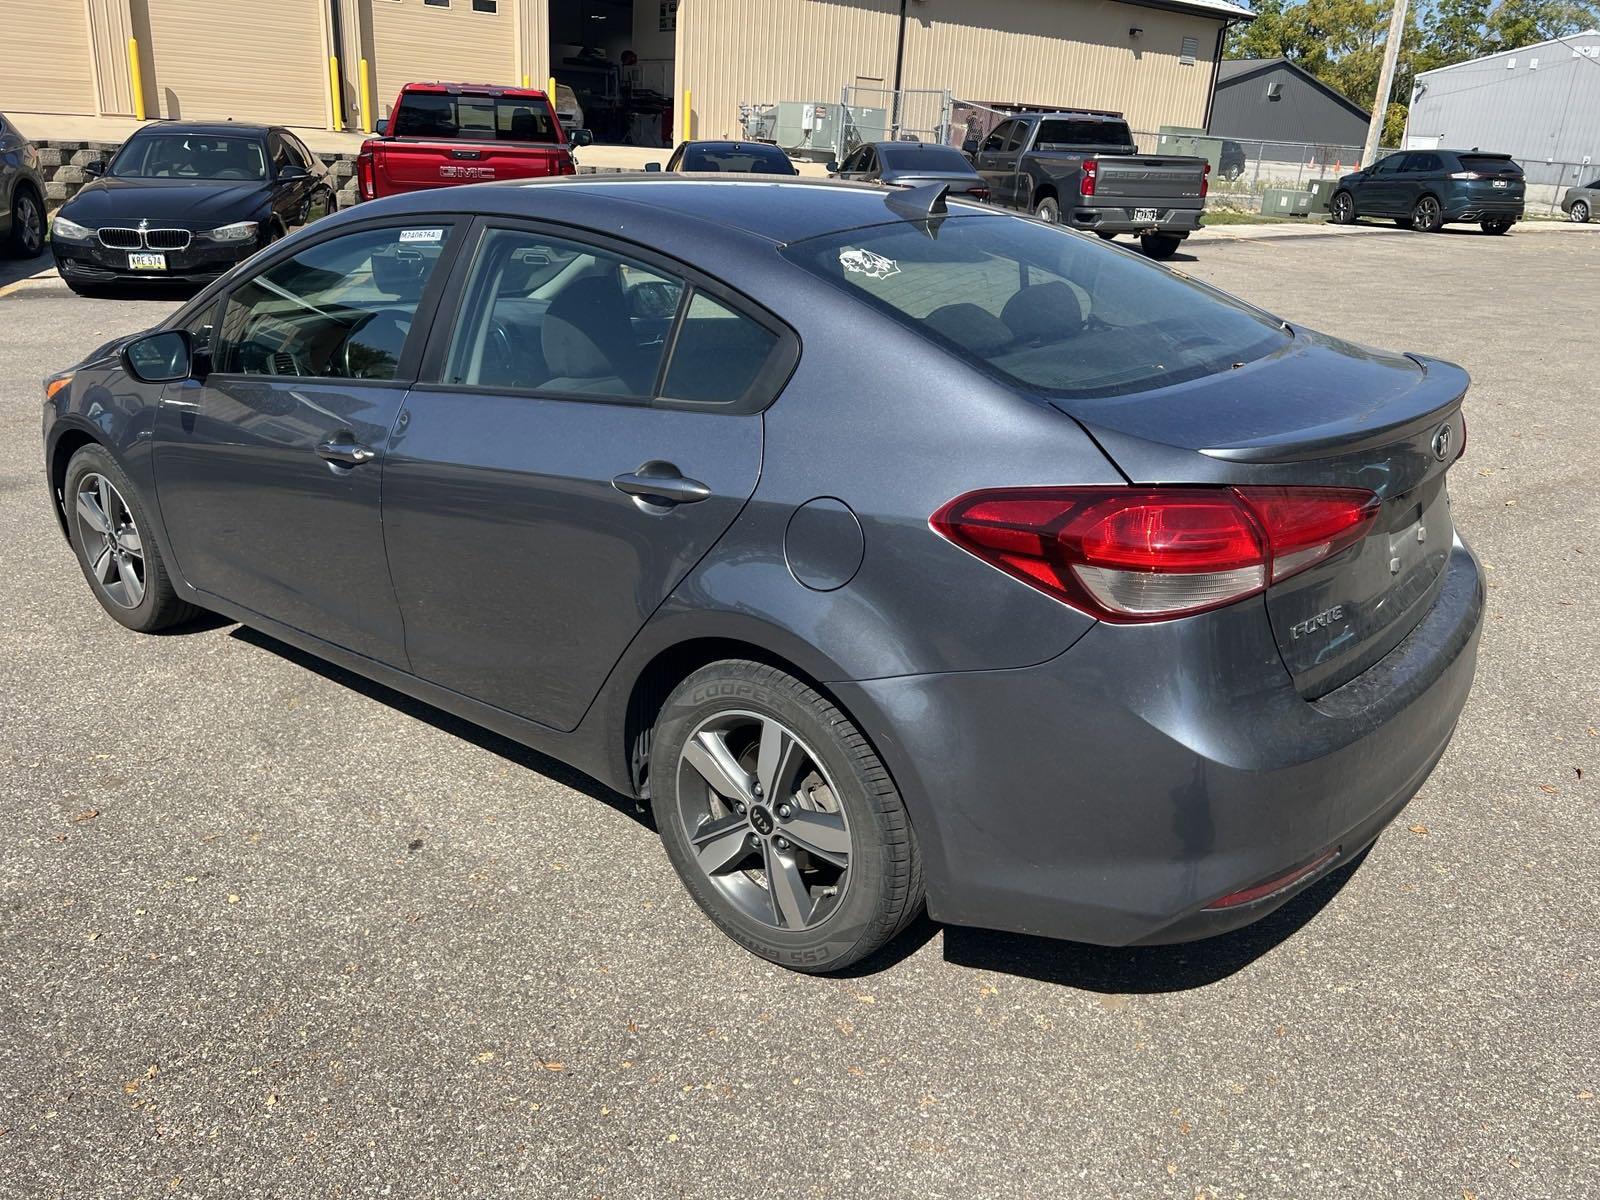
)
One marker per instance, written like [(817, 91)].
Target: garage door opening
[(613, 63)]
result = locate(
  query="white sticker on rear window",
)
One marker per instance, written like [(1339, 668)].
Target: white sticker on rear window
[(865, 262), (421, 235)]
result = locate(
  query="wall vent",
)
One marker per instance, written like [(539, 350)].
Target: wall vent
[(1191, 47)]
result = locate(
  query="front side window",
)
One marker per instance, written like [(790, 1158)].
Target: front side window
[(1045, 308), (997, 140), (1390, 165), (473, 118), (341, 309), (190, 156)]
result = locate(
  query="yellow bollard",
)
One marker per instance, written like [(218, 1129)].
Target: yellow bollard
[(333, 92), (688, 115), (550, 90), (135, 78), (367, 105)]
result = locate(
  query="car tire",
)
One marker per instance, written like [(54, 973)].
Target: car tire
[(1427, 216), (1107, 234), (1494, 225), (116, 552), (1159, 245), (27, 224), (1580, 212), (1342, 209), (837, 820), (1048, 210)]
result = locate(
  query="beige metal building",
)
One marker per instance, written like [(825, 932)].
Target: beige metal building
[(298, 61)]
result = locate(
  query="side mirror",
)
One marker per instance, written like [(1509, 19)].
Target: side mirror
[(95, 169), (382, 127), (580, 137), (652, 166), (291, 172), (160, 357), (832, 165)]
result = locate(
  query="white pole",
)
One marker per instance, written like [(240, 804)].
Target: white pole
[(1380, 102)]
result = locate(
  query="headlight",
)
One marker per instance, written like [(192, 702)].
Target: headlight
[(64, 230), (240, 231)]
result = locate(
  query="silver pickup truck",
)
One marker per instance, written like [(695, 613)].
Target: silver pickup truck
[(1083, 169)]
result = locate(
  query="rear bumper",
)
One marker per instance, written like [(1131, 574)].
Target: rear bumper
[(1121, 219), (1111, 794), (1477, 210)]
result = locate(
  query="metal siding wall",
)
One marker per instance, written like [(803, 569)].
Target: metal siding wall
[(1533, 115), (210, 60), (110, 27), (1062, 53), (47, 68), (796, 50), (417, 43), (1303, 114)]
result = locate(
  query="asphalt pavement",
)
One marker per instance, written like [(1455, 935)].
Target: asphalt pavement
[(267, 930)]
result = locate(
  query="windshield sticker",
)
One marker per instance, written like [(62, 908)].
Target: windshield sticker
[(865, 262), (421, 235)]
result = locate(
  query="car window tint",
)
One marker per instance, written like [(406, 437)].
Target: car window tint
[(750, 159), (341, 309), (546, 314), (1389, 165), (1043, 307), (997, 140), (718, 354), (473, 118), (914, 156), (1063, 131), (1489, 164), (190, 156), (1018, 135)]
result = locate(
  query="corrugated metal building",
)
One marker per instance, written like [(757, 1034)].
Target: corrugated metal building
[(1272, 100), (1154, 60), (1539, 103)]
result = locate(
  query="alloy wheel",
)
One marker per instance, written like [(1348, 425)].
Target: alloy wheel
[(764, 820), (1580, 211), (1343, 209), (110, 540), (30, 223), (1425, 217)]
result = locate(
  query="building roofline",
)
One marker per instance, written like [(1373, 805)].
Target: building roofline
[(1560, 41), (1266, 64), (1222, 10)]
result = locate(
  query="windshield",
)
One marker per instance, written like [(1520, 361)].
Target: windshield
[(1060, 131), (190, 156), (473, 118), (759, 160), (913, 156), (1051, 310)]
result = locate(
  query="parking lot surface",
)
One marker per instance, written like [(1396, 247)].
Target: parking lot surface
[(269, 930)]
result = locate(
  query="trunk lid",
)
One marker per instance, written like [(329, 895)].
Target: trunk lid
[(405, 165), (1319, 413), (1149, 177)]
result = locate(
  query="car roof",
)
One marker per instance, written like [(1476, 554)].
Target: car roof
[(729, 144), (774, 208), (211, 128)]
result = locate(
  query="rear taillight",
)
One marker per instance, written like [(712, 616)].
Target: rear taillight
[(1467, 175), (1087, 178), (1205, 181), (1463, 450), (978, 193), (366, 181), (565, 165), (1128, 554)]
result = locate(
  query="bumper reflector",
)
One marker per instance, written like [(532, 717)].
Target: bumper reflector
[(1272, 887)]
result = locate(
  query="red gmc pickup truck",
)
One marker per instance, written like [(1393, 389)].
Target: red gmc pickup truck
[(441, 134)]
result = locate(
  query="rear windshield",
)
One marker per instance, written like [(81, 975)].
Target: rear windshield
[(1064, 131), (758, 160), (1048, 309), (1489, 164), (909, 156), (473, 118)]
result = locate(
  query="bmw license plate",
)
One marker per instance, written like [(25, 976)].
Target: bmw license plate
[(147, 262), (1145, 214)]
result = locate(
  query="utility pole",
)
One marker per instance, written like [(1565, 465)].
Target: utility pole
[(1380, 102)]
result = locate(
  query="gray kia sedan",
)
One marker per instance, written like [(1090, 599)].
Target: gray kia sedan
[(892, 549)]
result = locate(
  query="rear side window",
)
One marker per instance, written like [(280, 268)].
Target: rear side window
[(1059, 131), (1044, 308), (339, 310), (1489, 164), (473, 118), (718, 354)]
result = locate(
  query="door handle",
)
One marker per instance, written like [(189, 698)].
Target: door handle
[(346, 450), (661, 484)]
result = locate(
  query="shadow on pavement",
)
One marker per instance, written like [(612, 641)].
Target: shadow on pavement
[(1142, 969)]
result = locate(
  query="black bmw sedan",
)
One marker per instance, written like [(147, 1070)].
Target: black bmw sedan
[(186, 202)]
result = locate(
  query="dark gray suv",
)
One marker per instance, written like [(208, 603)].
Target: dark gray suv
[(21, 194), (888, 547), (1426, 190)]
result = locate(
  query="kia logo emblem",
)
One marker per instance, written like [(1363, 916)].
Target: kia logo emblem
[(1441, 443)]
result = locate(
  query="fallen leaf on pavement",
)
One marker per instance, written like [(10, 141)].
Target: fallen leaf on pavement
[(87, 814), (554, 1066), (1422, 829)]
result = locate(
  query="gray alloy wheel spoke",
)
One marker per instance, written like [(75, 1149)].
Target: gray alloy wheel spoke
[(820, 833), (111, 541), (132, 585), (103, 563), (778, 759), (708, 753), (721, 845), (791, 901), (90, 511)]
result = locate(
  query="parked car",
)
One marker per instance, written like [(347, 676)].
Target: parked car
[(753, 158), (568, 111), (912, 164), (1579, 203), (1083, 169), (21, 194), (1231, 160), (1426, 190), (884, 550), (444, 134), (186, 202)]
